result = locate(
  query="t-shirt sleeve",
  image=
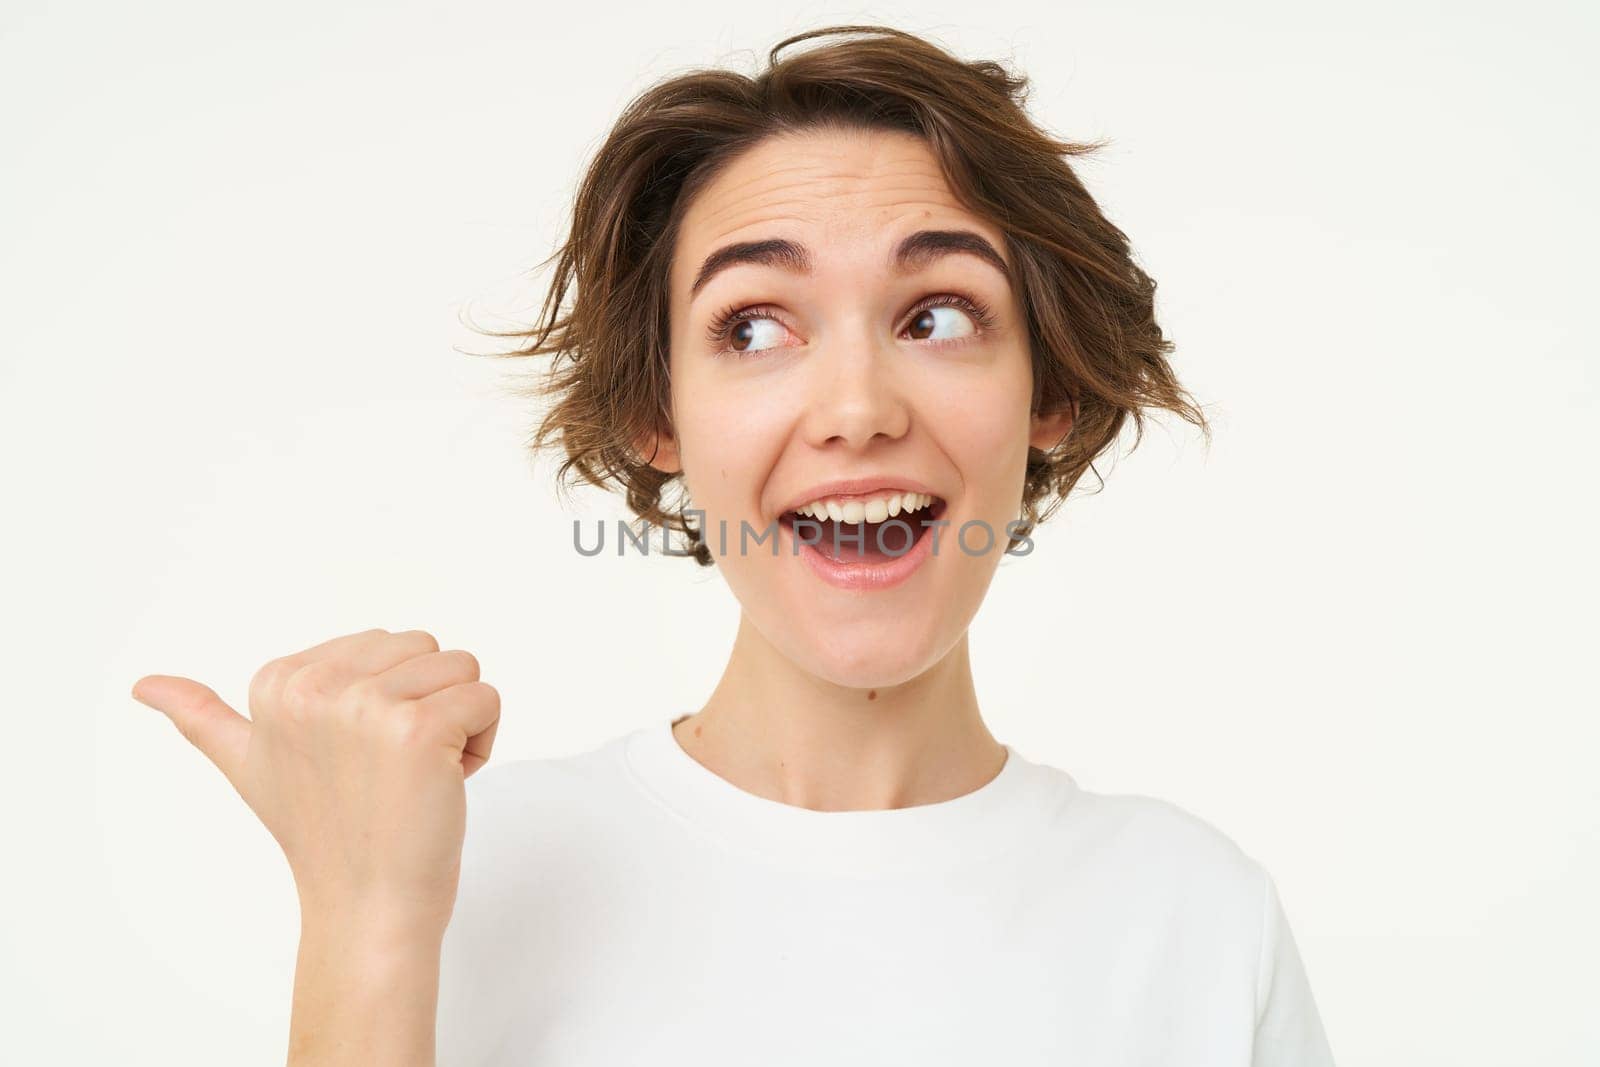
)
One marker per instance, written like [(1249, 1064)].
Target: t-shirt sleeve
[(1289, 1030)]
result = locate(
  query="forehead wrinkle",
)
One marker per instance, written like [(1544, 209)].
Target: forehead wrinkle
[(911, 195), (834, 194), (758, 222), (788, 186), (733, 191)]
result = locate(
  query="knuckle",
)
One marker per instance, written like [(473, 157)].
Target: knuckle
[(269, 677), (406, 724), (466, 661), (365, 692), (296, 703), (307, 686), (421, 640)]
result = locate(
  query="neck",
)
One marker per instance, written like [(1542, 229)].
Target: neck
[(780, 732)]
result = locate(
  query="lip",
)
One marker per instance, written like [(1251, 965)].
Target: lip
[(857, 487)]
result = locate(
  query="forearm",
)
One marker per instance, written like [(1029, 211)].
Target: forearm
[(365, 992)]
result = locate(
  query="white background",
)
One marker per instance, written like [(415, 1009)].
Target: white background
[(1356, 635)]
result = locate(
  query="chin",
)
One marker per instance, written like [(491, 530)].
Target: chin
[(871, 658)]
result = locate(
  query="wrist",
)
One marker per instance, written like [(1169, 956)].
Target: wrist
[(380, 927), (365, 989)]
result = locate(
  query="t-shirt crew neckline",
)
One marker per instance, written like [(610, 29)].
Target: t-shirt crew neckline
[(1022, 798)]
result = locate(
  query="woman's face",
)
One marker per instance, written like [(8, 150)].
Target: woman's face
[(848, 362)]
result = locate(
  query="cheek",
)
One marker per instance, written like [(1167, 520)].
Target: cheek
[(984, 430), (725, 434)]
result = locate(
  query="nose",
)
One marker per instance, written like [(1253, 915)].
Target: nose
[(854, 394)]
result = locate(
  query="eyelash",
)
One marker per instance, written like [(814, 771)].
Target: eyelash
[(724, 320)]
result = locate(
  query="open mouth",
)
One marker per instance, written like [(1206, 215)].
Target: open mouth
[(864, 542)]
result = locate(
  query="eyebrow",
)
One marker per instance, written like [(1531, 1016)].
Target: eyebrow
[(910, 255)]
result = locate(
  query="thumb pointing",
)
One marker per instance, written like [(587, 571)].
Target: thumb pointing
[(201, 716)]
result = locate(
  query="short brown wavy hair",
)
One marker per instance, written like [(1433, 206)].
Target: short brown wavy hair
[(1090, 308)]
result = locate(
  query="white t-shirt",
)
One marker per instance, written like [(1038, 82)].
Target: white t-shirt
[(627, 906)]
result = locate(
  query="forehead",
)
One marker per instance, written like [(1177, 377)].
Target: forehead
[(833, 190)]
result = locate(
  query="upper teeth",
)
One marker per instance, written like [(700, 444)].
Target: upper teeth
[(872, 509)]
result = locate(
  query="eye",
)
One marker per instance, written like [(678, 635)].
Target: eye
[(938, 313), (747, 334), (738, 331), (931, 319), (741, 331)]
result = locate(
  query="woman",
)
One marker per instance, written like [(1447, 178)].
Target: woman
[(862, 313)]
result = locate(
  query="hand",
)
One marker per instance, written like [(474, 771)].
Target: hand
[(354, 758)]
